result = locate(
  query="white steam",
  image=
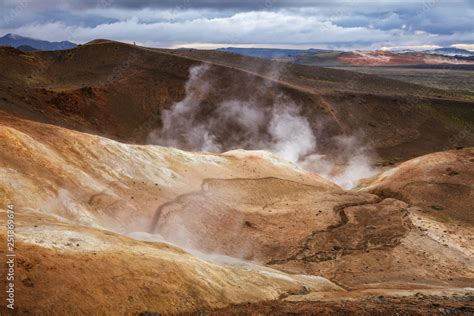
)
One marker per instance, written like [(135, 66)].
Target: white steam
[(291, 133), (180, 127), (352, 163), (234, 124), (191, 124)]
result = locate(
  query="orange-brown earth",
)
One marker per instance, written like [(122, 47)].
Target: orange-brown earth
[(356, 240), (119, 90), (134, 228), (441, 184), (84, 202), (368, 304)]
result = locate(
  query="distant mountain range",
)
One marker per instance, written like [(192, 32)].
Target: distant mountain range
[(451, 51), (284, 53), (312, 56), (334, 58), (270, 52), (26, 43)]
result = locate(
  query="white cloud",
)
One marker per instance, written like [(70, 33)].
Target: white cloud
[(464, 46), (353, 26)]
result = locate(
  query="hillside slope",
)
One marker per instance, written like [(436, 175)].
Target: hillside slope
[(439, 183), (119, 91), (174, 231), (79, 198)]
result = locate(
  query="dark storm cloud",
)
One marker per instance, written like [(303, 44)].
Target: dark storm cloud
[(243, 5), (191, 4), (211, 4), (337, 23)]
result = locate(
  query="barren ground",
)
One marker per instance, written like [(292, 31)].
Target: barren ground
[(106, 224)]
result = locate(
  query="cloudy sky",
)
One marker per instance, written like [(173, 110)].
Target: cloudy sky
[(360, 24)]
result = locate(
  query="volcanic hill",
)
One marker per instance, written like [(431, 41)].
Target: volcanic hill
[(107, 223)]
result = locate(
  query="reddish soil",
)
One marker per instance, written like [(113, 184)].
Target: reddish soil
[(379, 58), (119, 90), (401, 243)]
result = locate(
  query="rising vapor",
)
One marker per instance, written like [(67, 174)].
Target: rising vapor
[(232, 124)]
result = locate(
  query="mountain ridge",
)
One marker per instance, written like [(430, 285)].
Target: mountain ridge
[(16, 41)]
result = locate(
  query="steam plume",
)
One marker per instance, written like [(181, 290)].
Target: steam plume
[(279, 128), (353, 162)]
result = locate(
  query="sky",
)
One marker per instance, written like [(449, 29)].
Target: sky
[(336, 24)]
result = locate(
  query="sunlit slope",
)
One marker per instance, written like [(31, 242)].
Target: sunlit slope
[(441, 184), (248, 205), (71, 269), (67, 185), (96, 181)]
